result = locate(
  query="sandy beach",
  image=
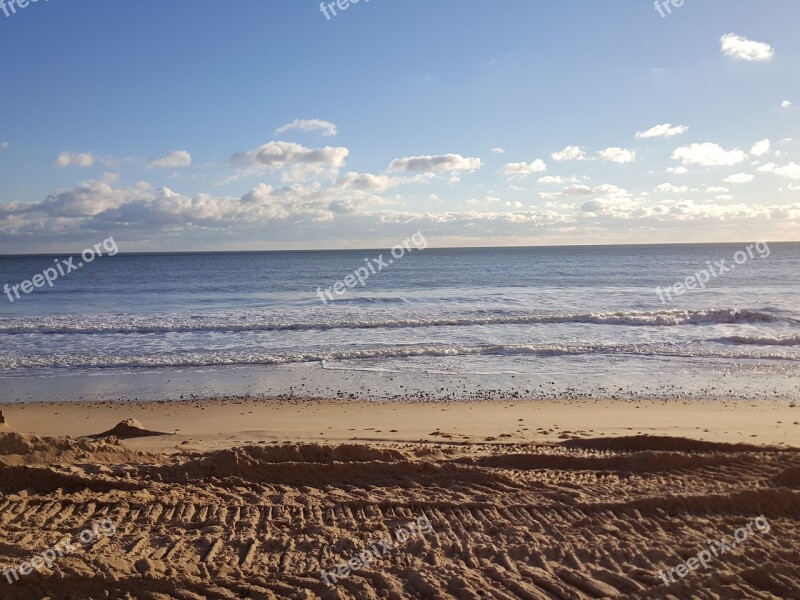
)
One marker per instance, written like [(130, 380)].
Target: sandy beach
[(326, 499), (204, 425)]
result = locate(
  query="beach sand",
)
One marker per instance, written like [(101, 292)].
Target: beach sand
[(511, 499)]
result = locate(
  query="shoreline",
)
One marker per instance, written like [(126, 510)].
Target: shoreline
[(210, 424), (564, 378)]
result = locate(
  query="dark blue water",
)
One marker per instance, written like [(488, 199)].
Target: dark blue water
[(531, 314)]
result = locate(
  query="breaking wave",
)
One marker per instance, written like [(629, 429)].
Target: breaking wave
[(180, 323)]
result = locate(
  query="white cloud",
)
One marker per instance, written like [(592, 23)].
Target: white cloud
[(4, 145), (75, 159), (313, 214), (739, 178), (786, 104), (790, 171), (717, 189), (760, 148), (325, 127), (547, 179), (664, 130), (569, 153), (672, 189), (488, 200), (578, 189), (549, 195), (178, 158), (616, 155), (499, 150), (298, 161), (615, 208), (678, 170), (605, 190), (522, 169), (432, 164), (740, 47), (84, 201), (708, 155), (366, 182)]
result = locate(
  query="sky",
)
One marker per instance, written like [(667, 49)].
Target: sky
[(265, 124)]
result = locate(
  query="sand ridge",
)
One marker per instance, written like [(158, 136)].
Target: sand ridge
[(509, 520)]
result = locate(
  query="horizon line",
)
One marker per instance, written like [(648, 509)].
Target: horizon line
[(381, 249)]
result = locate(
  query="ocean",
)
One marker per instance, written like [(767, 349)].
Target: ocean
[(436, 323)]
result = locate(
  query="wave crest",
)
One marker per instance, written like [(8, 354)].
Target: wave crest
[(763, 340), (243, 322)]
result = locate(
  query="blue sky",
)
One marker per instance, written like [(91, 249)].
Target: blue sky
[(158, 123)]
